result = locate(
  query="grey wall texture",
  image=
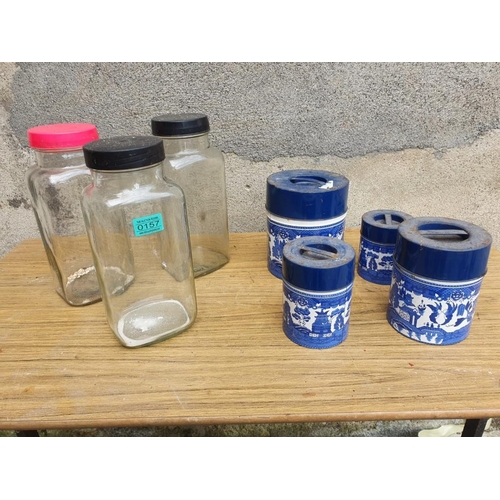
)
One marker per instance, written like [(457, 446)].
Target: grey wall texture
[(419, 137)]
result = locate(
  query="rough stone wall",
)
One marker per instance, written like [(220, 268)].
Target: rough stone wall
[(16, 219), (419, 137)]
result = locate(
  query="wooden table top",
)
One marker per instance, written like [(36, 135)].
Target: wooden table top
[(62, 367)]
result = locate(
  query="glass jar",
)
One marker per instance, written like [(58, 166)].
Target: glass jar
[(198, 168), (55, 184), (136, 222)]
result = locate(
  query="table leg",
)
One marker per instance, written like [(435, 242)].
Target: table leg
[(27, 434), (474, 427)]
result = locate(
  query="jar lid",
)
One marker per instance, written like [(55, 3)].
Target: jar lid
[(381, 226), (307, 194), (122, 153), (62, 135), (318, 263), (179, 124), (442, 249)]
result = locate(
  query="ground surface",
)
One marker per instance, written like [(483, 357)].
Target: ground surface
[(401, 428)]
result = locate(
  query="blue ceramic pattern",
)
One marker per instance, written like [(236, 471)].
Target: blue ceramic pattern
[(429, 312), (317, 321), (279, 235), (375, 262)]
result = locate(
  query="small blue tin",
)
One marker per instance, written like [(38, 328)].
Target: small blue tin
[(379, 229), (439, 265), (318, 276), (303, 203)]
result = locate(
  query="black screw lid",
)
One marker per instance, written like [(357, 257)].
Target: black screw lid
[(125, 152), (179, 124)]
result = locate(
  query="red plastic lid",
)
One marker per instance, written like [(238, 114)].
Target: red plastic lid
[(62, 135)]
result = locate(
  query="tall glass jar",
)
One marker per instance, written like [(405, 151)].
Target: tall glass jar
[(136, 222), (55, 184), (198, 168)]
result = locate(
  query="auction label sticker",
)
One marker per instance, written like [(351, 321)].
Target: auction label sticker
[(148, 225)]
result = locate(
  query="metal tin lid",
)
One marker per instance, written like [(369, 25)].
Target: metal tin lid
[(318, 263), (307, 194), (442, 249), (381, 226)]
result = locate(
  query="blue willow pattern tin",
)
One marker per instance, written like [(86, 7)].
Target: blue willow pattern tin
[(377, 242), (280, 233), (439, 265), (430, 311), (316, 320), (318, 274), (303, 203)]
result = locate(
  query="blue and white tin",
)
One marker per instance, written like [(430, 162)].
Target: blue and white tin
[(318, 276), (439, 265), (379, 229), (302, 203)]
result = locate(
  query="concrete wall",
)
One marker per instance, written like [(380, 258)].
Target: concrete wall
[(422, 138)]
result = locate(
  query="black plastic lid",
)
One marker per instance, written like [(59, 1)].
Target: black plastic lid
[(123, 153), (179, 124)]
